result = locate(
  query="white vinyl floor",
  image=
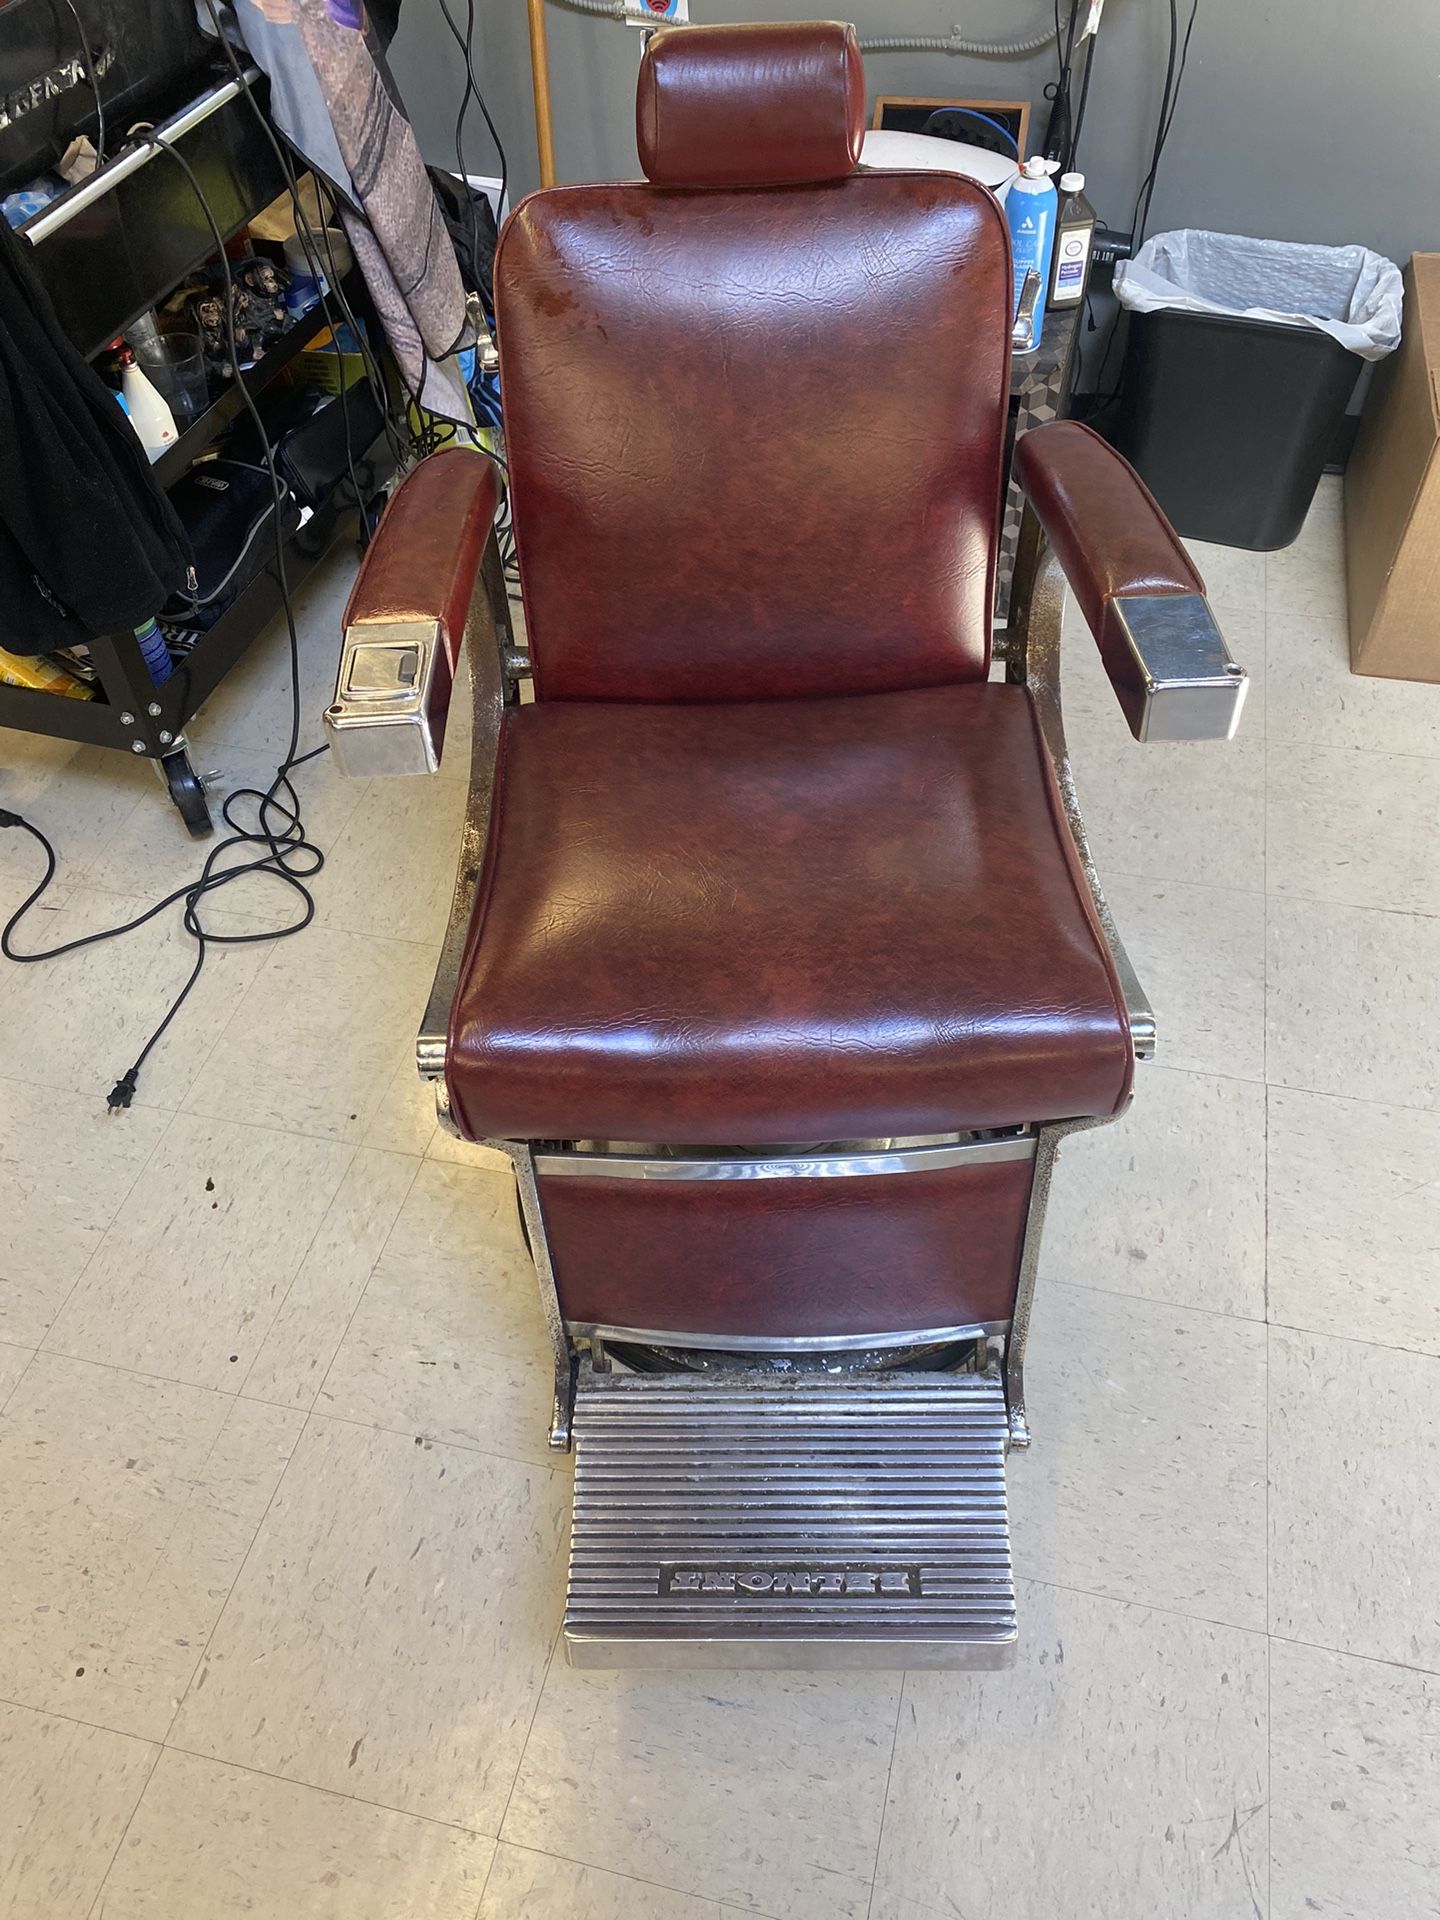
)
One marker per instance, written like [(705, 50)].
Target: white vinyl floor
[(281, 1550)]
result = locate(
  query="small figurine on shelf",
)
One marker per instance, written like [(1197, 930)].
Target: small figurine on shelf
[(259, 313)]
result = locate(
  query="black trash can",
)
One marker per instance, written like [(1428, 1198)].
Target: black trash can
[(1229, 422), (1243, 355)]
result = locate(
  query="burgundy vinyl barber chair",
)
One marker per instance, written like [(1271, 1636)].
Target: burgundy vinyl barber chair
[(777, 965)]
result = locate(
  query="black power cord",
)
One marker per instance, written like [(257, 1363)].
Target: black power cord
[(1176, 62), (1072, 158), (1059, 130), (1169, 102), (466, 44), (288, 855), (281, 846), (93, 77)]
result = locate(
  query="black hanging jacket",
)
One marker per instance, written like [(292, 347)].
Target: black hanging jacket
[(88, 541)]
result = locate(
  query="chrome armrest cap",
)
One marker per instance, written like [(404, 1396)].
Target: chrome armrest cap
[(391, 696), (1176, 680)]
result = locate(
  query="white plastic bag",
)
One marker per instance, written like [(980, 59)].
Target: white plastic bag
[(1350, 293)]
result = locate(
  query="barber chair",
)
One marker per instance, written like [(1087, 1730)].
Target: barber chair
[(778, 966)]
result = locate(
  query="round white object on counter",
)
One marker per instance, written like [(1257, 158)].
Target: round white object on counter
[(926, 153)]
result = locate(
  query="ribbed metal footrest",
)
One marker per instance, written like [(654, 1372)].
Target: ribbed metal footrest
[(753, 1520)]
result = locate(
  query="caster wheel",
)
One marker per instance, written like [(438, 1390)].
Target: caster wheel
[(187, 790)]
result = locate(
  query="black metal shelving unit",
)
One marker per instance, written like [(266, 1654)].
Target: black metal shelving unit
[(109, 250)]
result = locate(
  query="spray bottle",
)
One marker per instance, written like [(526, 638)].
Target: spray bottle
[(149, 415), (1032, 206)]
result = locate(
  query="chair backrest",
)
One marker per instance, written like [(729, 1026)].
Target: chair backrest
[(755, 405)]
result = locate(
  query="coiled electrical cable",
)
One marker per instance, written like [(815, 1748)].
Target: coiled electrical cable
[(957, 41)]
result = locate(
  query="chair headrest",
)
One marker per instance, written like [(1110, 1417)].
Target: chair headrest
[(750, 105)]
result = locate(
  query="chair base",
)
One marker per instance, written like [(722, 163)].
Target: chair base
[(739, 1518)]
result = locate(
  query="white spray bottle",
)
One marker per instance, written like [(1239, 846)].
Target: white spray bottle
[(149, 415)]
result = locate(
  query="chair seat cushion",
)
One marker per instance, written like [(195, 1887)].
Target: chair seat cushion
[(782, 921)]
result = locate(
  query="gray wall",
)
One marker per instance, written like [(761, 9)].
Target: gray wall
[(1300, 119)]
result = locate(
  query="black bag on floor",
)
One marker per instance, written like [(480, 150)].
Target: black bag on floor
[(228, 510)]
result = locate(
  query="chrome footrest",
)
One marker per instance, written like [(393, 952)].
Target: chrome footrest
[(759, 1520)]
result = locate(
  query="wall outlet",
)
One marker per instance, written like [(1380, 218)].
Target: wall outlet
[(1111, 246)]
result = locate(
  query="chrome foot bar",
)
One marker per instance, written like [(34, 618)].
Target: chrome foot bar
[(748, 1520)]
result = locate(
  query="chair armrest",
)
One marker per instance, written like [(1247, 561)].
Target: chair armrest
[(1138, 589), (407, 617), (431, 583)]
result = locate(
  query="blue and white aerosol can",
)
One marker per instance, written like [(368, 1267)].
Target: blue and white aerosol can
[(1032, 207)]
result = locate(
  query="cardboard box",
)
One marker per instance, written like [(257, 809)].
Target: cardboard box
[(1392, 499)]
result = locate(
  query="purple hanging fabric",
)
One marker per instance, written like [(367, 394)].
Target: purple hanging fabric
[(354, 135)]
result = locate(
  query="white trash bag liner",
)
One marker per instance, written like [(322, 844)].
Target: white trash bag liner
[(1352, 294)]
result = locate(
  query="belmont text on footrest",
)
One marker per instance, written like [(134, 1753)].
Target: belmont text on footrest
[(741, 1518)]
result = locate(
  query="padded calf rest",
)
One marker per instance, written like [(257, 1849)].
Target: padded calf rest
[(790, 1259), (781, 921)]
